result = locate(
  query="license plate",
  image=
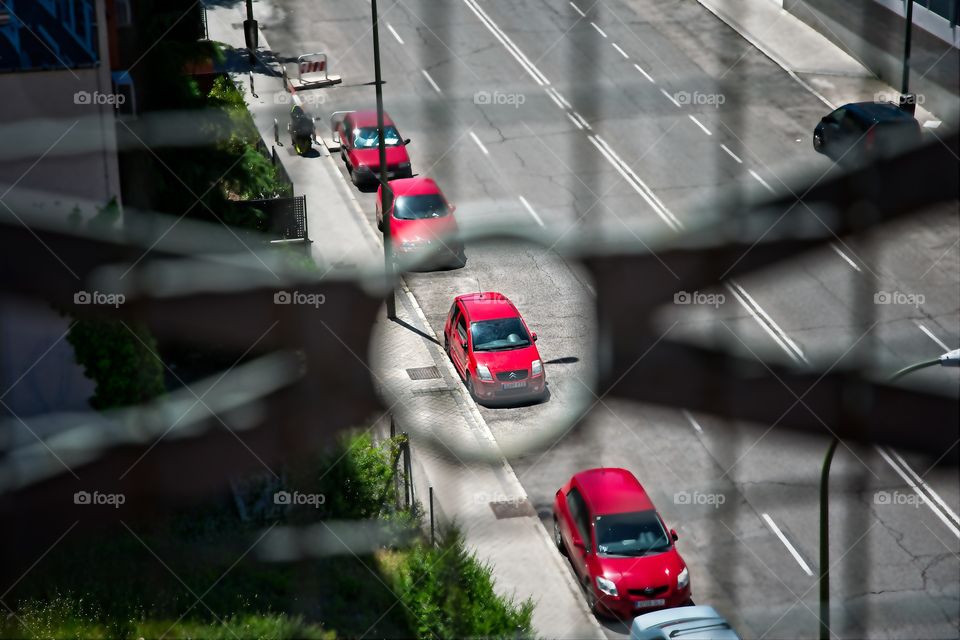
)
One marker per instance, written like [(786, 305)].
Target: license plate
[(514, 385), (640, 604)]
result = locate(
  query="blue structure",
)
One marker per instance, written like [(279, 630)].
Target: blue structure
[(48, 35)]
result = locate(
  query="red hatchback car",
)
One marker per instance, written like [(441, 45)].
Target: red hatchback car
[(422, 222), (360, 147), (623, 553), (492, 348)]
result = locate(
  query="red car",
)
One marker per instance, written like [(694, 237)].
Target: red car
[(492, 348), (622, 552), (359, 147), (422, 222)]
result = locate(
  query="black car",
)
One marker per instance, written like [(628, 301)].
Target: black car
[(864, 130)]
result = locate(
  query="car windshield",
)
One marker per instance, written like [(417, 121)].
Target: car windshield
[(499, 335), (420, 207), (630, 534), (366, 137)]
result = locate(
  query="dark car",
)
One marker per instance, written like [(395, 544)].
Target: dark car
[(865, 130)]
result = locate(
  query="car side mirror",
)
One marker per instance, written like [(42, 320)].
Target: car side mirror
[(406, 141), (463, 344), (534, 336), (578, 543), (453, 208), (673, 534)]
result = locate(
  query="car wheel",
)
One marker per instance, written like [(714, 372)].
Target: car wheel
[(353, 176), (473, 393), (459, 259), (558, 537), (592, 601)]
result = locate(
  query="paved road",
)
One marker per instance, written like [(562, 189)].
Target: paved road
[(605, 149)]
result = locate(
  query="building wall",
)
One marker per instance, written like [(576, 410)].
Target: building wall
[(874, 34), (59, 145)]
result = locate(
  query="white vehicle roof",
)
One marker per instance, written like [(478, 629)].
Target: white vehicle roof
[(699, 622)]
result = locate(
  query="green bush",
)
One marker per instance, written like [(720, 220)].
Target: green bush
[(120, 358), (448, 593)]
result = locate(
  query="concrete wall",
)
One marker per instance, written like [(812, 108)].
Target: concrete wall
[(874, 34)]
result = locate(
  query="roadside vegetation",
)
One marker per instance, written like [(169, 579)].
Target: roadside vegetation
[(181, 578)]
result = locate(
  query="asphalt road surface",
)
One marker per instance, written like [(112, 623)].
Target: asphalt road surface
[(626, 122)]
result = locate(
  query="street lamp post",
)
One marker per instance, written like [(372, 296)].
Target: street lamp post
[(949, 359), (386, 194), (908, 101)]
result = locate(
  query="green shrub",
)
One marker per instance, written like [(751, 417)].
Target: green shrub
[(448, 593)]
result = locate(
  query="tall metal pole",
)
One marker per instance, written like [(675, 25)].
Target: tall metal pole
[(908, 101), (825, 541), (386, 194)]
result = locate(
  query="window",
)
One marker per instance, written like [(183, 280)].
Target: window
[(420, 207), (580, 515), (367, 138), (499, 335), (631, 534), (462, 328), (123, 13)]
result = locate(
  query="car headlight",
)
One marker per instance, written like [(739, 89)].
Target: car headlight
[(484, 373), (683, 579), (536, 367), (606, 586)]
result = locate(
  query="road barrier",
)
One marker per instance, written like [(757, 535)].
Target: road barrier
[(312, 73)]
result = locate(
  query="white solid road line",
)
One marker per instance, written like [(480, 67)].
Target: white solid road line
[(575, 122), (582, 120), (533, 213), (923, 496), (622, 52), (638, 185), (555, 99), (430, 80), (929, 333), (766, 322), (645, 74), (700, 124), (757, 177), (505, 40), (731, 154), (599, 30), (560, 97), (692, 421), (920, 481), (670, 98), (844, 256), (793, 551), (578, 10), (394, 32), (479, 144)]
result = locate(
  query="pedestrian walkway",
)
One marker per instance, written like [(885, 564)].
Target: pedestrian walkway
[(341, 237), (453, 451), (824, 68)]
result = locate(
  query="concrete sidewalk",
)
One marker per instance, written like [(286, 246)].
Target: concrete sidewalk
[(825, 69), (340, 235), (453, 449)]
